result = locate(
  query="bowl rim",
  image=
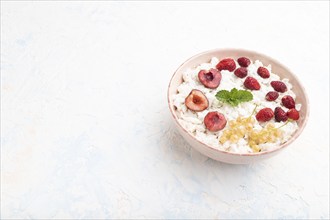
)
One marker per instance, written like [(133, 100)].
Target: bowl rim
[(282, 146)]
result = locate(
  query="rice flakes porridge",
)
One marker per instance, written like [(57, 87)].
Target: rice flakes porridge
[(237, 106)]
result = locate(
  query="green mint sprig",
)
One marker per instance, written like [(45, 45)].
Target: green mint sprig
[(234, 97)]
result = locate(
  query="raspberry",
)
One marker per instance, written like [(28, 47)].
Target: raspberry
[(241, 72), (288, 101), (271, 96), (293, 114), (278, 86), (280, 114), (263, 72), (251, 83), (226, 64), (243, 61), (265, 114)]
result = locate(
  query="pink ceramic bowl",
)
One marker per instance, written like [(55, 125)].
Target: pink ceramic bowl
[(278, 68)]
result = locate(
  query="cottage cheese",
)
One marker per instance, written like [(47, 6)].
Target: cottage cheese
[(193, 121)]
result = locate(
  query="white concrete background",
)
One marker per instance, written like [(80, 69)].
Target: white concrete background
[(85, 127)]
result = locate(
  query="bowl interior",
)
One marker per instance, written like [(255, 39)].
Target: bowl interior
[(277, 68)]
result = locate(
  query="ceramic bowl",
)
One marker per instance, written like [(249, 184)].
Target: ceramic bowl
[(229, 157)]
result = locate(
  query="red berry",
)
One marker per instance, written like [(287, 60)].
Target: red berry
[(280, 114), (241, 72), (293, 114), (265, 114), (288, 101), (226, 64), (196, 101), (278, 86), (251, 83), (210, 79), (271, 96), (215, 121), (243, 61), (263, 72)]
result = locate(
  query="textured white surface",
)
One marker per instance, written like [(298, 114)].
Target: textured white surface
[(85, 127)]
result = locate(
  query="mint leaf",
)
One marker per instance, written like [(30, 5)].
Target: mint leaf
[(241, 95), (223, 94), (234, 97)]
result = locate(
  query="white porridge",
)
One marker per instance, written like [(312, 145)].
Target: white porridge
[(234, 135)]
